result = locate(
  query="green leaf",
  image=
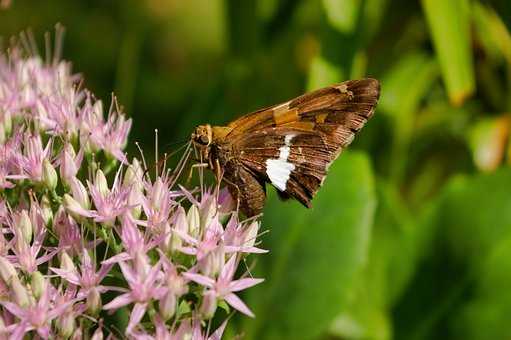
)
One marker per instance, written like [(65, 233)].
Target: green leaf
[(342, 14), (403, 89), (476, 215), (314, 254), (449, 25), (399, 241)]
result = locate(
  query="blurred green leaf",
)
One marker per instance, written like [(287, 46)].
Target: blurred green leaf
[(476, 216), (406, 83), (315, 254), (492, 31), (399, 241), (403, 88), (323, 73), (342, 14), (449, 24)]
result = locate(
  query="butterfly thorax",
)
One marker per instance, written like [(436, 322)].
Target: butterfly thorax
[(210, 141)]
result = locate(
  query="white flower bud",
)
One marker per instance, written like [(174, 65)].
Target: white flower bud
[(50, 177), (94, 304), (7, 270), (25, 226), (101, 183), (38, 284), (66, 325), (168, 306), (46, 212), (80, 194), (250, 234), (66, 263), (193, 219), (133, 175), (68, 167), (72, 206), (208, 306), (20, 293), (213, 262)]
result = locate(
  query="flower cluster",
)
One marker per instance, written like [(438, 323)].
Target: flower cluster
[(88, 236)]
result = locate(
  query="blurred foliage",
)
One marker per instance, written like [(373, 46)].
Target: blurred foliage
[(411, 236)]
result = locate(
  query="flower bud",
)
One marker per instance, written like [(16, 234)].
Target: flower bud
[(7, 270), (50, 178), (72, 206), (66, 325), (46, 212), (208, 212), (68, 166), (80, 194), (193, 219), (133, 175), (101, 183), (38, 284), (20, 293), (158, 194), (94, 304), (168, 306), (181, 224), (208, 306), (213, 262), (66, 262), (250, 234), (25, 226)]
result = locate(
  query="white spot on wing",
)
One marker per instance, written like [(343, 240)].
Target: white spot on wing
[(278, 170)]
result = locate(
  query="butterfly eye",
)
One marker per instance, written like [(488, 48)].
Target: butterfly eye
[(204, 139)]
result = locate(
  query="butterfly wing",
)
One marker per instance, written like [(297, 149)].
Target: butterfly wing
[(291, 145)]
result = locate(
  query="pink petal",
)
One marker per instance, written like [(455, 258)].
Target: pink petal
[(128, 273), (137, 313), (68, 275), (118, 302), (236, 303), (243, 249), (200, 279), (121, 257), (217, 335), (235, 286), (14, 309), (228, 269), (185, 237)]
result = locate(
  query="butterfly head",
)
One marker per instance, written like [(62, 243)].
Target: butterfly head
[(202, 138)]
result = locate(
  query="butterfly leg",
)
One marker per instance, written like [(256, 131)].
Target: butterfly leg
[(196, 166)]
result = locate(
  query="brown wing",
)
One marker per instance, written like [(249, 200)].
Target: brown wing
[(246, 187), (292, 145), (294, 161), (338, 110)]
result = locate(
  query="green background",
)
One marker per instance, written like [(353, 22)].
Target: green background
[(410, 238)]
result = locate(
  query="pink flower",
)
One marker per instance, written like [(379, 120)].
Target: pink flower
[(109, 203), (69, 162), (37, 315), (31, 162), (111, 135), (225, 287), (144, 287), (87, 277), (157, 203), (70, 238)]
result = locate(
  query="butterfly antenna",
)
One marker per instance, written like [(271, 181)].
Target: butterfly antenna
[(156, 165)]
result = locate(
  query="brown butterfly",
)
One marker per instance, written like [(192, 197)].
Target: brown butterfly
[(290, 145)]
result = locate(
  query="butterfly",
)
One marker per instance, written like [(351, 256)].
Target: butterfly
[(290, 145)]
